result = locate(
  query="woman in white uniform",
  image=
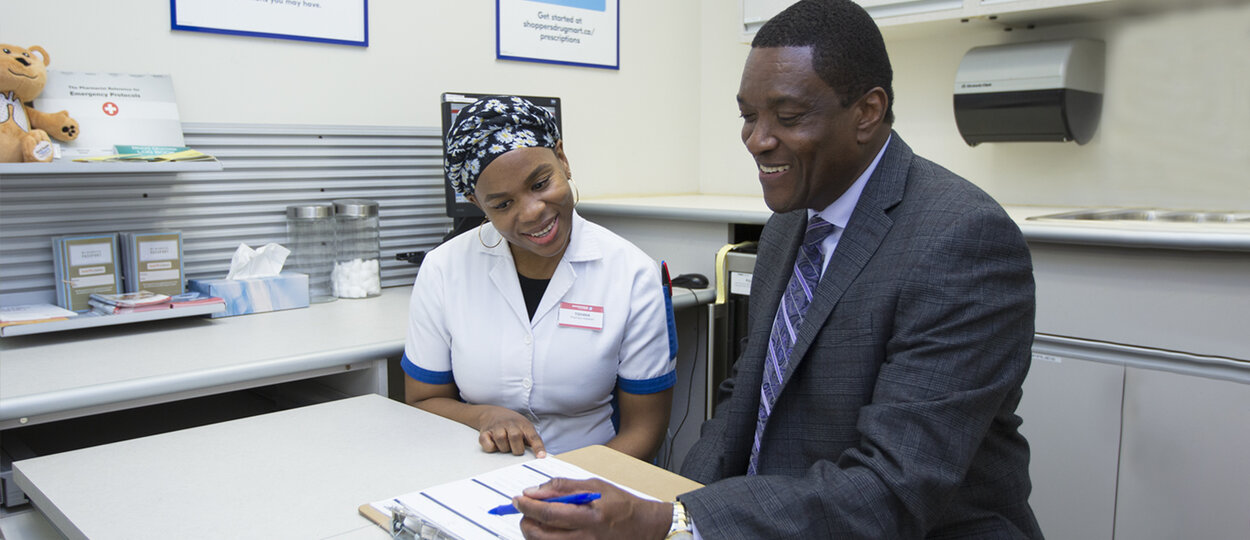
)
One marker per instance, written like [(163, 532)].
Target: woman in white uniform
[(539, 326)]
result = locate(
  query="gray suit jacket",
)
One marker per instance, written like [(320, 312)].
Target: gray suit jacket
[(897, 417)]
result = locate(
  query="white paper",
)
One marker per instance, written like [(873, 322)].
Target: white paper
[(33, 312), (461, 507), (340, 20)]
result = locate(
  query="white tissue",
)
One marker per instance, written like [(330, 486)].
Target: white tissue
[(265, 261)]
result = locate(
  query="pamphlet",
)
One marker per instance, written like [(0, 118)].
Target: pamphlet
[(152, 261), (187, 154), (84, 265), (131, 299)]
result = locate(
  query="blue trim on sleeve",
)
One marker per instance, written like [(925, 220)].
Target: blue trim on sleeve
[(647, 386), (425, 375)]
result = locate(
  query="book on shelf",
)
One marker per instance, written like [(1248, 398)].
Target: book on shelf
[(152, 261), (84, 265)]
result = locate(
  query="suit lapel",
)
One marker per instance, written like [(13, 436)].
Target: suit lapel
[(867, 228)]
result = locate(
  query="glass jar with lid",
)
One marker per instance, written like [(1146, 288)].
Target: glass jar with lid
[(357, 264), (310, 237)]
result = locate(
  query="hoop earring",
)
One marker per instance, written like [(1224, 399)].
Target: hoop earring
[(577, 195), (483, 242)]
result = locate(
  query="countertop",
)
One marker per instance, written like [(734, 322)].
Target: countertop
[(46, 377), (752, 210)]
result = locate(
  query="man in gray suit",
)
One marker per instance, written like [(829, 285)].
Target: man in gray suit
[(890, 328)]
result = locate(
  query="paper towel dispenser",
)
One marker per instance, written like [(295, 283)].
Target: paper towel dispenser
[(1040, 91)]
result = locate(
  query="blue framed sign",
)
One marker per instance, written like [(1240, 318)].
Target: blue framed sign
[(343, 22), (571, 32)]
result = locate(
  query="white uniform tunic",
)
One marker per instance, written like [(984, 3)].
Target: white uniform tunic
[(468, 324)]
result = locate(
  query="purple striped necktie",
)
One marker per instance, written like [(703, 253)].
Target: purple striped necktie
[(807, 269)]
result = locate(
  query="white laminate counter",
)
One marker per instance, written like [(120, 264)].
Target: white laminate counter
[(752, 210), (47, 377), (299, 473)]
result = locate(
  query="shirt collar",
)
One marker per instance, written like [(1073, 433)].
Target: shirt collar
[(839, 211)]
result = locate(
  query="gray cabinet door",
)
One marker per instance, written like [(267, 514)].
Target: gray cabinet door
[(1071, 412), (1185, 466)]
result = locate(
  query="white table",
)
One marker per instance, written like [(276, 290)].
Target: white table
[(299, 473)]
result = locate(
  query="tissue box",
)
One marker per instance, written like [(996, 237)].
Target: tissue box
[(287, 290)]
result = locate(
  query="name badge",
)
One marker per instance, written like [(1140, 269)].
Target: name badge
[(581, 316)]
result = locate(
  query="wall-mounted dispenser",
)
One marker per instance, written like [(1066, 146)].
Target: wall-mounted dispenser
[(1041, 91)]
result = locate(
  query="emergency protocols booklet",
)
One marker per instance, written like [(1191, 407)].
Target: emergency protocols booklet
[(113, 108)]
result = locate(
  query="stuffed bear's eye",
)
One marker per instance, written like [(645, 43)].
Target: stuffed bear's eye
[(6, 51)]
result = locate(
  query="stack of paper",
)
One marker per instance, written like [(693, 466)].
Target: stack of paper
[(33, 313), (152, 154), (138, 302), (461, 509)]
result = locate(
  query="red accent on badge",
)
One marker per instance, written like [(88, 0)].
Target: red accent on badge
[(110, 108), (581, 316)]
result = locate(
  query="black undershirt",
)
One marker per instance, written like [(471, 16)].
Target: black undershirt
[(532, 290)]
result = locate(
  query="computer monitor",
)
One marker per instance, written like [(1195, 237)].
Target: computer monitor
[(458, 207)]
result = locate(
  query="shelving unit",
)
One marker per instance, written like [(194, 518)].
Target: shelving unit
[(91, 320), (108, 167)]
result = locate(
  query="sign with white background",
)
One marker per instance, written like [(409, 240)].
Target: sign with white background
[(572, 32), (345, 22)]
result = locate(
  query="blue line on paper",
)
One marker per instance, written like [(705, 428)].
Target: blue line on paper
[(595, 5), (462, 516), (480, 483), (527, 466)]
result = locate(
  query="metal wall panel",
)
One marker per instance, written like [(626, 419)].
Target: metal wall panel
[(265, 169)]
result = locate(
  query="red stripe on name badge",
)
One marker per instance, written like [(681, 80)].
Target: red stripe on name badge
[(581, 316)]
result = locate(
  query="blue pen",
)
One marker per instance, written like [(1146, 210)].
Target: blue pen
[(576, 498)]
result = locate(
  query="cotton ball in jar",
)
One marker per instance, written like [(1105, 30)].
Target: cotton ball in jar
[(356, 278)]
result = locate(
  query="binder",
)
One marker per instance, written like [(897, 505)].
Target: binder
[(600, 461)]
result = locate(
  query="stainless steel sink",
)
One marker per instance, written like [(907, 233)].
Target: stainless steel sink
[(1150, 214)]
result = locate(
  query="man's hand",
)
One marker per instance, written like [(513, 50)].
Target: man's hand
[(505, 430), (616, 514)]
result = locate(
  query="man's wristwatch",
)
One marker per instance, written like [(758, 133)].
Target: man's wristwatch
[(680, 530)]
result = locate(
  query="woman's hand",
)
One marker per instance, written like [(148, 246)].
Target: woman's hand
[(499, 429), (505, 430)]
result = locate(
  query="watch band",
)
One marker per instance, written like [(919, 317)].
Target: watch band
[(680, 529)]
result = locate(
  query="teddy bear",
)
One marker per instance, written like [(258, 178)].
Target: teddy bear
[(24, 131)]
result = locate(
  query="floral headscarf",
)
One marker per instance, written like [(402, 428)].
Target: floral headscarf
[(487, 129)]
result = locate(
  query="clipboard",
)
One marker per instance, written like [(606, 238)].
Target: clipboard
[(608, 463)]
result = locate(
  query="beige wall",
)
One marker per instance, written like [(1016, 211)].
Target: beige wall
[(620, 125), (1175, 131)]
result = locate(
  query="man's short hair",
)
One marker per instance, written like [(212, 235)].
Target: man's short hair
[(848, 52)]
